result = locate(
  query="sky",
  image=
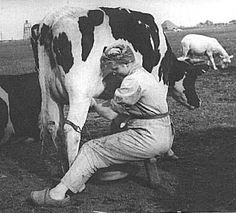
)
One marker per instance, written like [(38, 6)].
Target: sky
[(13, 13)]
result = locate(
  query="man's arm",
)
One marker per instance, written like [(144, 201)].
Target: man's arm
[(104, 109)]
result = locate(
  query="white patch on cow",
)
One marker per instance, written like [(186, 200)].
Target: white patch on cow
[(152, 42), (162, 49), (9, 130), (128, 10), (178, 91), (179, 85), (55, 15)]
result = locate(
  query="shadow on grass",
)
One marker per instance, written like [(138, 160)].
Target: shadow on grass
[(206, 171)]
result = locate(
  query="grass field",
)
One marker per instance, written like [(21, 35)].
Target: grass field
[(204, 179)]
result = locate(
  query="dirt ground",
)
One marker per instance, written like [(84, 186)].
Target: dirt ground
[(203, 179)]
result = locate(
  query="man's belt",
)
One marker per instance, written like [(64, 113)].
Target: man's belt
[(157, 116), (133, 116)]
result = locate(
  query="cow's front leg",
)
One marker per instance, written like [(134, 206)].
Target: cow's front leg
[(185, 50), (76, 118), (210, 56)]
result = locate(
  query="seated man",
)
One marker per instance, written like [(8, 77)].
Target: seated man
[(148, 130)]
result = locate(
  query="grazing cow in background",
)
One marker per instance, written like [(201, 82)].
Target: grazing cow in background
[(200, 45), (68, 45), (20, 106)]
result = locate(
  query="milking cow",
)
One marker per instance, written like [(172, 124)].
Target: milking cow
[(200, 45), (20, 102), (68, 45)]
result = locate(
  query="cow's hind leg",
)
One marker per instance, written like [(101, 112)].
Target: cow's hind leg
[(51, 125), (185, 50)]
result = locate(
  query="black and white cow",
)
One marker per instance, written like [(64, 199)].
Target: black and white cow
[(67, 47), (20, 102)]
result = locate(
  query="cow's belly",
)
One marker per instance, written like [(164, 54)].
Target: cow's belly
[(197, 51)]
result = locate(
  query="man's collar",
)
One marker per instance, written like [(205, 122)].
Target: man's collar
[(134, 68)]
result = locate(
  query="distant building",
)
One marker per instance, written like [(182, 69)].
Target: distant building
[(26, 30)]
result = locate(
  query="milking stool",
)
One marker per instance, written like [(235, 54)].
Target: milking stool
[(152, 171), (151, 167)]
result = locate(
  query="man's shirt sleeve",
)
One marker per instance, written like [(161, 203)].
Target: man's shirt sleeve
[(127, 95)]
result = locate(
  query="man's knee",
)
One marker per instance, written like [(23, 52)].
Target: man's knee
[(85, 148)]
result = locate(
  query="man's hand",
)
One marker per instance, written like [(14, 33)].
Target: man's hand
[(93, 103), (104, 109)]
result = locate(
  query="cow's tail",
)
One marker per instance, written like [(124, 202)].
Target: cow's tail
[(34, 42), (44, 41)]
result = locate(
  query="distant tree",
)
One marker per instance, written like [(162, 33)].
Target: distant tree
[(207, 22), (200, 24), (232, 22)]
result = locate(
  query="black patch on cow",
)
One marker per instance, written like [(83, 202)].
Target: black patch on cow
[(111, 83), (34, 42), (137, 28), (177, 71), (190, 91), (189, 82), (188, 72), (180, 70), (24, 101), (166, 67), (45, 39), (45, 36), (62, 48), (86, 26)]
